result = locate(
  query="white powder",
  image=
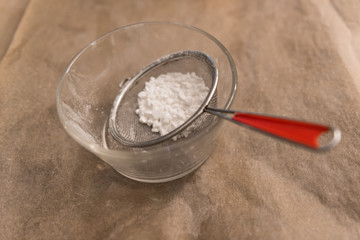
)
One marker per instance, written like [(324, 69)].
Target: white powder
[(169, 100)]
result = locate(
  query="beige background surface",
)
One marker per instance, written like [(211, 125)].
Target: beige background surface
[(294, 58), (11, 13)]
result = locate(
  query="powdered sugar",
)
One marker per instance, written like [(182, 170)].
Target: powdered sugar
[(169, 100)]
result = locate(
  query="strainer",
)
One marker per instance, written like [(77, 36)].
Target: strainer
[(125, 127)]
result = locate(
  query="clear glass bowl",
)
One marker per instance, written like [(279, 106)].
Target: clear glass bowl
[(90, 84)]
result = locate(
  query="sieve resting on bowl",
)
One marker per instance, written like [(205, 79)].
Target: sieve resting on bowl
[(127, 130)]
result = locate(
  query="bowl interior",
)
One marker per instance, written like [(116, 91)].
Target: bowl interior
[(92, 80)]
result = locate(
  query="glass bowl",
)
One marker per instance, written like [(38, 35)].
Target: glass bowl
[(90, 84)]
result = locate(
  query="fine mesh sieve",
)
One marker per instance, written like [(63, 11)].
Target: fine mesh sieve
[(125, 127), (124, 123)]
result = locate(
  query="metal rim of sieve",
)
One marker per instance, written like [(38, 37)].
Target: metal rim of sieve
[(129, 82)]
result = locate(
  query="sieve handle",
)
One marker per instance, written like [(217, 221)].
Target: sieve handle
[(303, 133)]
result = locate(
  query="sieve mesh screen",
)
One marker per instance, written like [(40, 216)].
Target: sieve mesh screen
[(127, 124)]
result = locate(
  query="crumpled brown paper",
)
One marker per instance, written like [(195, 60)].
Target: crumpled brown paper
[(294, 58), (11, 13)]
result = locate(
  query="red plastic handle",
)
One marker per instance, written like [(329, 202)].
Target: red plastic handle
[(293, 130)]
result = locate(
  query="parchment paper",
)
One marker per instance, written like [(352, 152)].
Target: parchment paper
[(294, 58)]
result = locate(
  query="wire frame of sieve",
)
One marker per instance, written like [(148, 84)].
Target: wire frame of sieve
[(131, 82)]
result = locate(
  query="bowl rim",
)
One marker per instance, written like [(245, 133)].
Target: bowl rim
[(126, 153)]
